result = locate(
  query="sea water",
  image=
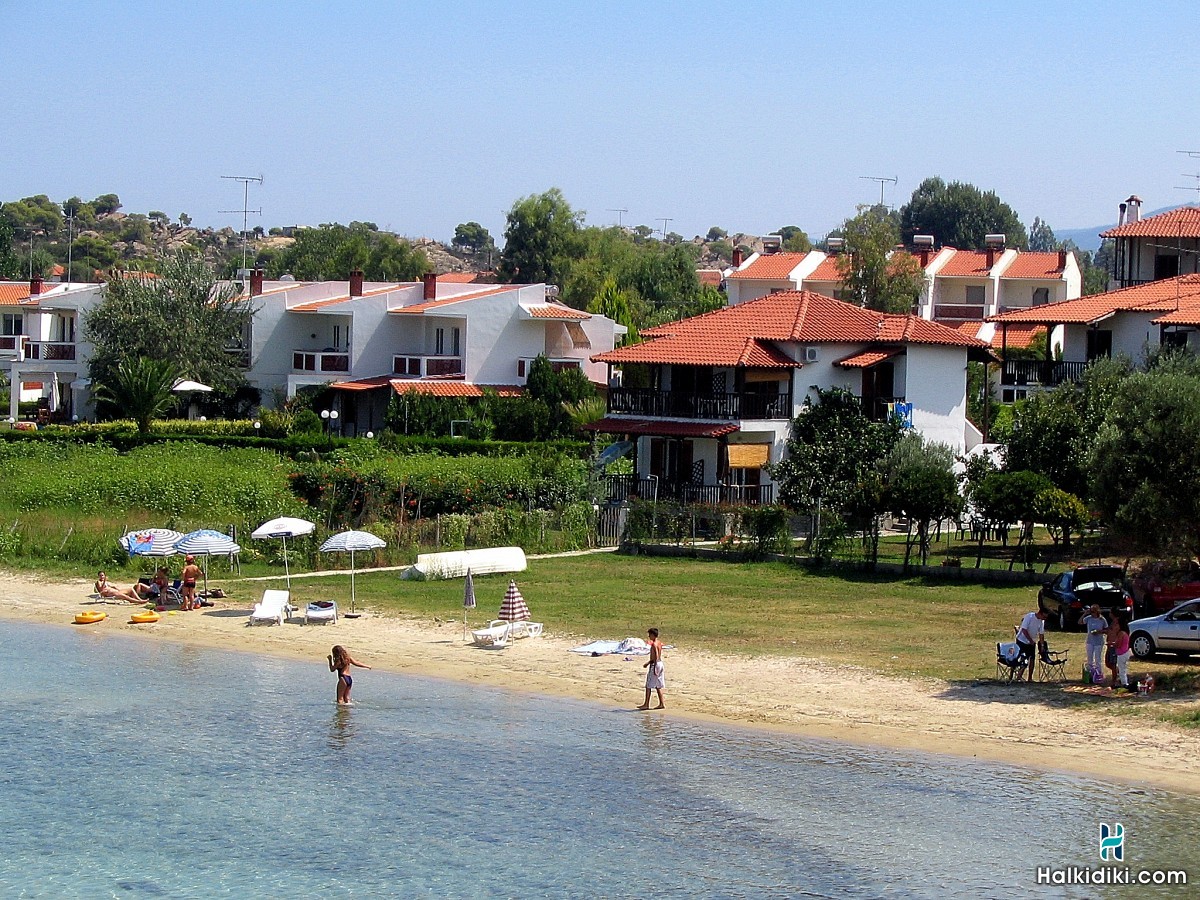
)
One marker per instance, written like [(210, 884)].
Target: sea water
[(142, 768)]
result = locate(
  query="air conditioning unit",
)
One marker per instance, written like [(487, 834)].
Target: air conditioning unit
[(811, 354)]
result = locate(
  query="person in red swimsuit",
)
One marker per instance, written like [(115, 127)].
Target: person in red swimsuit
[(190, 573)]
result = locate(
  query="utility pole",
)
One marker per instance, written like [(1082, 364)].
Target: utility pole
[(70, 241), (882, 183), (664, 220), (619, 211), (245, 210)]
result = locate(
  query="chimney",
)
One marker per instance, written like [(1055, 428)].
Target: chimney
[(430, 280), (737, 257), (356, 283), (1121, 215), (35, 285), (1062, 259), (1135, 208), (256, 281), (991, 257)]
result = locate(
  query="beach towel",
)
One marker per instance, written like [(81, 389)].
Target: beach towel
[(630, 646)]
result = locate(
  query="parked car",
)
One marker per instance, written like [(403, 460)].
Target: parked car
[(1159, 588), (1177, 631), (1067, 597)]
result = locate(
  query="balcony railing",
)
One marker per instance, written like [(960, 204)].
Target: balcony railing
[(688, 405), (10, 342), (311, 361), (627, 487), (50, 351), (427, 366), (1042, 372), (557, 364)]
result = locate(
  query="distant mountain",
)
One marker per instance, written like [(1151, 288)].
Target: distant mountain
[(1089, 238)]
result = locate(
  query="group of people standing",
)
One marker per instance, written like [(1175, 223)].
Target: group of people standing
[(1107, 640)]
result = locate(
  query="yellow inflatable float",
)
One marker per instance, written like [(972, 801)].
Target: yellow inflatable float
[(89, 617), (143, 618)]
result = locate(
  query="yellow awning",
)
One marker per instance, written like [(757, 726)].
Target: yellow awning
[(749, 456)]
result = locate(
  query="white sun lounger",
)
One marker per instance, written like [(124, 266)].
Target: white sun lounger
[(495, 637), (273, 609), (320, 611)]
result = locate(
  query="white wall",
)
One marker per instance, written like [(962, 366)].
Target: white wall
[(936, 386)]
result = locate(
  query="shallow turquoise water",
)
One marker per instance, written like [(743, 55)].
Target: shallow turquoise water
[(131, 767)]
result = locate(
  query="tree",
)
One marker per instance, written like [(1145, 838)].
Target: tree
[(10, 264), (332, 252), (716, 234), (873, 276), (959, 215), (472, 238), (141, 388), (794, 239), (919, 482), (615, 303), (183, 317), (1004, 498), (185, 220), (540, 239), (106, 203), (1041, 237), (559, 392)]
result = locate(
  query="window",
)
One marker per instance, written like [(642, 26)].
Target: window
[(11, 324), (455, 342), (1099, 343), (975, 294), (439, 341), (1041, 296), (1166, 267)]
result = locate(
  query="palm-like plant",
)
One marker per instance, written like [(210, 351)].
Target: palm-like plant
[(141, 388)]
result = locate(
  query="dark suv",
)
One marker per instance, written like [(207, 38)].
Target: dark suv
[(1067, 598)]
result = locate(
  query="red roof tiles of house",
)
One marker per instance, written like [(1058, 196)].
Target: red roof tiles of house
[(711, 277), (1164, 295), (446, 301), (557, 311), (464, 277), (1182, 222), (771, 267), (747, 334), (1034, 265), (450, 388), (967, 263), (827, 271), (14, 293)]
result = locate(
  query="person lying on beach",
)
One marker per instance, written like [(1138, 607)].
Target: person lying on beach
[(340, 661), (155, 590), (110, 591)]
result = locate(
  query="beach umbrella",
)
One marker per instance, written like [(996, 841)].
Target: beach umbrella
[(468, 600), (513, 609), (352, 542), (150, 542), (184, 386), (206, 543), (281, 529)]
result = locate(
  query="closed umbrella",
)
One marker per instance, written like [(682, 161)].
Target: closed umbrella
[(150, 542), (283, 528), (352, 542), (468, 600), (206, 543), (513, 609)]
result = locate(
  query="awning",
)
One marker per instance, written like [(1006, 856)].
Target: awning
[(578, 336), (868, 358), (363, 384), (662, 427), (749, 456)]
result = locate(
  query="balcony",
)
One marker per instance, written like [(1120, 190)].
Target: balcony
[(687, 405), (10, 343), (326, 361), (1041, 372), (625, 487), (427, 366), (558, 364), (50, 351)]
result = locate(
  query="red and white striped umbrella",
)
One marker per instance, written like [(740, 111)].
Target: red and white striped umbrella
[(513, 609)]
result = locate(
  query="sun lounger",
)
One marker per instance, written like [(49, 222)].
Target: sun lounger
[(274, 608), (496, 636), (320, 611), (526, 629)]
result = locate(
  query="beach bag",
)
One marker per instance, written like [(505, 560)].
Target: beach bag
[(1097, 675)]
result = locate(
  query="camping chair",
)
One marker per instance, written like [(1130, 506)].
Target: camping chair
[(1052, 664), (1011, 662)]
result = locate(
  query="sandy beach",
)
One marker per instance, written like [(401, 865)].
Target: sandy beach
[(1021, 724)]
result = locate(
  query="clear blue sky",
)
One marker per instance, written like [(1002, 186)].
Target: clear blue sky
[(419, 116)]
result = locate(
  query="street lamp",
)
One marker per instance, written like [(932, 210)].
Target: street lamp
[(329, 417), (370, 434)]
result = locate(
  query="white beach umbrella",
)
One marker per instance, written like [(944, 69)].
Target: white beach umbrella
[(183, 386), (352, 542), (150, 542), (283, 528), (206, 543)]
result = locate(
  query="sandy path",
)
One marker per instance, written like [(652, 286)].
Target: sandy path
[(802, 696)]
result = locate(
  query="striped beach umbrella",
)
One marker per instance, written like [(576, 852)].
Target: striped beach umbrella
[(206, 542), (352, 542), (150, 542), (513, 609)]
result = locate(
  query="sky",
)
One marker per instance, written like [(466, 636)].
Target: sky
[(747, 116)]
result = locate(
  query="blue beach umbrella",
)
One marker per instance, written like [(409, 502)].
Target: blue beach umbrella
[(206, 543)]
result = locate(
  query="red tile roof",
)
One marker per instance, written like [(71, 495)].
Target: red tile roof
[(661, 427), (1164, 295), (450, 388), (446, 301), (363, 384), (460, 277), (318, 304), (557, 311), (1019, 337), (868, 358), (1034, 265), (747, 334), (967, 264), (826, 271), (1182, 222), (14, 293), (709, 276), (771, 267)]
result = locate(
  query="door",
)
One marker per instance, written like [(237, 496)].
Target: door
[(1099, 343), (1180, 630)]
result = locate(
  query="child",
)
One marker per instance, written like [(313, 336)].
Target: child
[(655, 680), (340, 661), (190, 573)]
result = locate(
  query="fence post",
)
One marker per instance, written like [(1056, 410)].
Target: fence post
[(437, 534)]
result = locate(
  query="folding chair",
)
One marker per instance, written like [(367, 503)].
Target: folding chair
[(1052, 664), (1011, 662)]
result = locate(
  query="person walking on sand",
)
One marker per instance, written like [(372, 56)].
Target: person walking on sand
[(655, 680), (190, 573), (1095, 625), (340, 661)]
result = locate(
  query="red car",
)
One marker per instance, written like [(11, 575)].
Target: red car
[(1158, 591)]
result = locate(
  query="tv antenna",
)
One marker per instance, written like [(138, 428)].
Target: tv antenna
[(664, 220), (883, 182), (1194, 154), (245, 210), (620, 210)]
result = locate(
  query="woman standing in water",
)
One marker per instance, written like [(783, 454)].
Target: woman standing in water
[(340, 661)]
